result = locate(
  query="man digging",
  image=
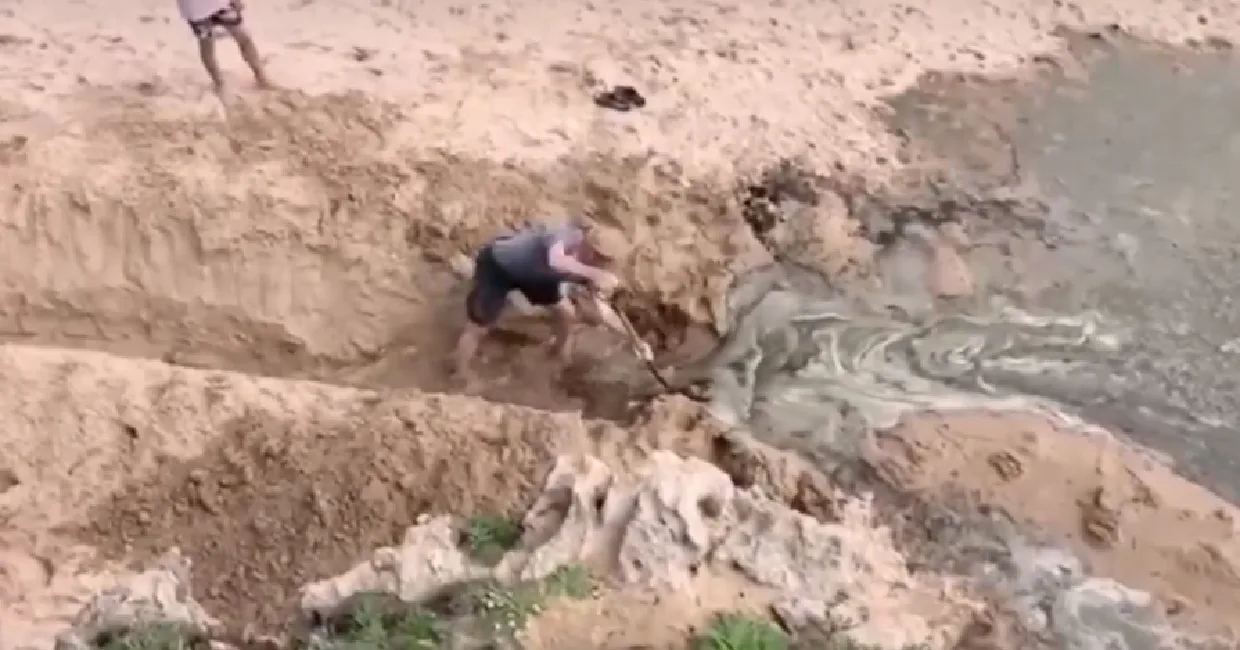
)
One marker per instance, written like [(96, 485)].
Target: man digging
[(549, 265)]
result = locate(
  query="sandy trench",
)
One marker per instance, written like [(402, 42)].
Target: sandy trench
[(228, 313)]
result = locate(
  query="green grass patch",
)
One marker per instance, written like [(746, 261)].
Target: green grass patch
[(504, 609), (379, 621), (741, 632), (570, 581), (157, 636), (487, 537)]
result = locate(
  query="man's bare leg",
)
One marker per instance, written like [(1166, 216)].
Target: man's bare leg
[(249, 52), (565, 317), (206, 50), (466, 350)]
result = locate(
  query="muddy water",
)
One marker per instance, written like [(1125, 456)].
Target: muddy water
[(819, 362), (1122, 312), (1148, 154)]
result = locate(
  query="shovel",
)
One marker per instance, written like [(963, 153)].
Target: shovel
[(636, 343)]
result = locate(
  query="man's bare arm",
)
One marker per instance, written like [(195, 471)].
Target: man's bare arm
[(561, 261), (616, 323), (609, 316)]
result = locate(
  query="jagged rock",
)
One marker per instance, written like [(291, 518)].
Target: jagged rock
[(660, 526), (428, 559), (669, 501), (1055, 598), (565, 524), (797, 614), (1101, 614), (1038, 576), (157, 595), (851, 565), (653, 522), (674, 517)]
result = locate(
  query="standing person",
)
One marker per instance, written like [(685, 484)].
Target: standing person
[(542, 262), (204, 16)]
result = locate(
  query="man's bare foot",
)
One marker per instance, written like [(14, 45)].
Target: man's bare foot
[(472, 384), (263, 82), (562, 351), (467, 381)]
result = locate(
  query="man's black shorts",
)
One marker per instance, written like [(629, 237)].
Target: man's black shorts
[(227, 17), (489, 293)]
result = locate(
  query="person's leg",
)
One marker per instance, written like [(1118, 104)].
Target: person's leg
[(587, 308), (467, 349), (565, 315), (552, 296), (232, 20), (206, 52), (483, 306)]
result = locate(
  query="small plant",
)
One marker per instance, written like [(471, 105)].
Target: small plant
[(571, 581), (157, 636), (376, 624), (848, 643), (489, 536), (741, 632), (504, 609)]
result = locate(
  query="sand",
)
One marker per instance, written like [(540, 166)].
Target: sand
[(1122, 509), (232, 322)]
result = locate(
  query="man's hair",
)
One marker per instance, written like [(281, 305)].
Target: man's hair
[(604, 241)]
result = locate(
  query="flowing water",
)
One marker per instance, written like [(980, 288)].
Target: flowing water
[(824, 358), (1127, 320), (1132, 320)]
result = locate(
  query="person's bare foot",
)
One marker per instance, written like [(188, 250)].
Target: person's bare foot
[(473, 385), (263, 83), (562, 351), (466, 381)]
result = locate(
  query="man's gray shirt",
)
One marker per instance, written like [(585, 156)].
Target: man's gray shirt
[(524, 255)]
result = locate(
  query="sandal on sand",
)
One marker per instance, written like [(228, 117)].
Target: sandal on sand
[(629, 95), (609, 100), (620, 98)]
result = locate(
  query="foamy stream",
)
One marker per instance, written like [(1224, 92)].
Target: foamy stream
[(795, 363)]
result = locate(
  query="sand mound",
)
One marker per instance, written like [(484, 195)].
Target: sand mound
[(188, 447), (299, 478), (670, 526), (1125, 513), (118, 459), (299, 498), (134, 457)]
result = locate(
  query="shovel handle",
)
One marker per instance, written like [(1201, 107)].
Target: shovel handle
[(635, 340)]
